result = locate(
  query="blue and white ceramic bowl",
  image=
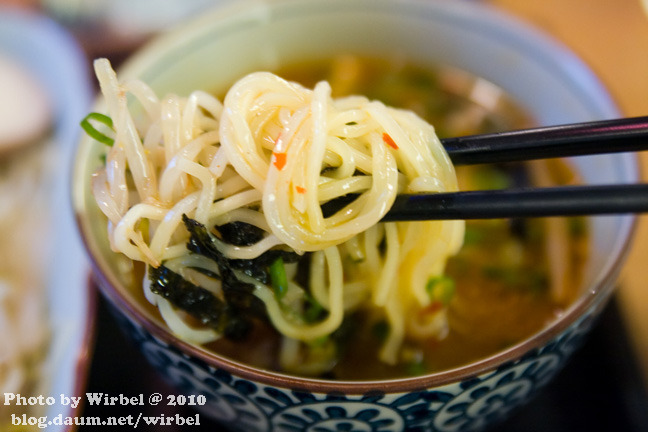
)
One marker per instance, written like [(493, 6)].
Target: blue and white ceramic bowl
[(548, 81)]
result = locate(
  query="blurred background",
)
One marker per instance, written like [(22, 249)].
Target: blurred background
[(611, 36)]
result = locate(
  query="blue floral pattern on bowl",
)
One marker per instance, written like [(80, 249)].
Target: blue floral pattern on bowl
[(470, 405)]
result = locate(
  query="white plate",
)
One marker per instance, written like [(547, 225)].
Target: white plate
[(55, 59)]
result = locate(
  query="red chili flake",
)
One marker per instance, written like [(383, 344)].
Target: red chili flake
[(300, 189), (279, 160), (389, 141), (433, 307)]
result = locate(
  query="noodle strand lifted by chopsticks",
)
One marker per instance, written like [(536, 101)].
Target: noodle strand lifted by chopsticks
[(270, 156)]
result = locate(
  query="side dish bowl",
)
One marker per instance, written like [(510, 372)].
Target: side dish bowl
[(56, 61), (548, 81)]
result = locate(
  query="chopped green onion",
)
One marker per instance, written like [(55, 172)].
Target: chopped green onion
[(497, 273), (278, 278), (488, 177), (416, 368), (93, 132), (414, 360), (312, 310), (319, 342), (473, 235), (380, 330), (510, 275), (441, 289), (577, 227)]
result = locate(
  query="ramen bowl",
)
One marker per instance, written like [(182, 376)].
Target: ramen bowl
[(546, 80)]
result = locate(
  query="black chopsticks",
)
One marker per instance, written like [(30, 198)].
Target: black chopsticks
[(532, 202), (576, 139)]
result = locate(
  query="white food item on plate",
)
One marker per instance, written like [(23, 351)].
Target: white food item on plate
[(25, 108)]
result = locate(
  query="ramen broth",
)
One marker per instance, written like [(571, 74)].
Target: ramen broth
[(505, 288)]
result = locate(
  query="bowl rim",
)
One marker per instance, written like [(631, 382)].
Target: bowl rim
[(600, 290)]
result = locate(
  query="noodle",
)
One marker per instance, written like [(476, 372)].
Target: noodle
[(270, 156)]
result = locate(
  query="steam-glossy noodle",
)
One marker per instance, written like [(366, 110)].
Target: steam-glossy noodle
[(270, 156)]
